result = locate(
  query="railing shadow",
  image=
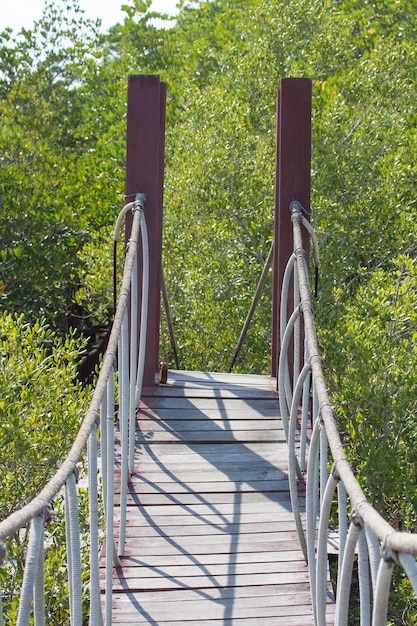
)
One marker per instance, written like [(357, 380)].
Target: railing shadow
[(258, 474)]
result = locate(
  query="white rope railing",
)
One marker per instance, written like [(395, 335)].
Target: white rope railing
[(99, 418), (378, 546)]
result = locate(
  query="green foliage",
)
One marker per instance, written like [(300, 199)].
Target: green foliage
[(60, 163), (374, 380), (57, 612), (41, 406), (95, 293)]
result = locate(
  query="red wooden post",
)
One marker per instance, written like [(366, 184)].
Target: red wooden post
[(145, 173), (293, 181)]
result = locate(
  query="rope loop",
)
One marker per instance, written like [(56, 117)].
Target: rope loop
[(342, 458), (76, 473), (46, 514), (95, 413), (335, 473), (321, 407), (304, 303), (387, 553), (139, 203), (110, 355), (356, 519), (297, 208), (129, 243), (316, 355), (124, 293), (300, 250)]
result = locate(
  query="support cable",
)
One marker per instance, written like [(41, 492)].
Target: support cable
[(255, 300), (168, 316)]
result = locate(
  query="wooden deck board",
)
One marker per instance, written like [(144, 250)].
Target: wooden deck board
[(210, 534)]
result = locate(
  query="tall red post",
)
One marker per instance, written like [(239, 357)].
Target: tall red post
[(145, 174), (293, 182)]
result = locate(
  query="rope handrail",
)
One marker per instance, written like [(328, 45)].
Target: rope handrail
[(100, 414), (399, 541), (379, 544), (20, 518)]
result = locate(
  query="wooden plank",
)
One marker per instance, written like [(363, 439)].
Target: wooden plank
[(181, 403), (212, 425), (220, 509), (261, 621), (196, 549), (211, 378), (270, 595), (219, 436), (263, 450), (155, 560), (253, 498), (165, 607), (232, 474), (230, 413), (211, 520), (173, 487), (214, 606), (183, 381), (202, 530), (181, 573), (210, 392), (207, 582)]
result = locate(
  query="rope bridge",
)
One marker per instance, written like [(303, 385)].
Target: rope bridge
[(316, 458)]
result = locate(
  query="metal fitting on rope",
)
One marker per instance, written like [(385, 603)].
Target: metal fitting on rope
[(297, 207), (139, 203), (96, 416), (335, 474), (321, 407), (387, 553), (130, 241), (303, 303), (124, 293), (344, 459), (356, 519), (314, 356), (46, 514), (300, 251)]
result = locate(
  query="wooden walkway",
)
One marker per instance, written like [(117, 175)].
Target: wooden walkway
[(211, 537)]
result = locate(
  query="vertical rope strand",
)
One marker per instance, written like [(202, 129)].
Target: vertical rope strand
[(39, 588), (124, 429), (31, 564), (75, 548), (95, 606)]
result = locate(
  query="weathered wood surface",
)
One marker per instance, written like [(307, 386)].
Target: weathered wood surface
[(211, 536)]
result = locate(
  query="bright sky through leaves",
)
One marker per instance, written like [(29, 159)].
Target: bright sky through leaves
[(22, 13)]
